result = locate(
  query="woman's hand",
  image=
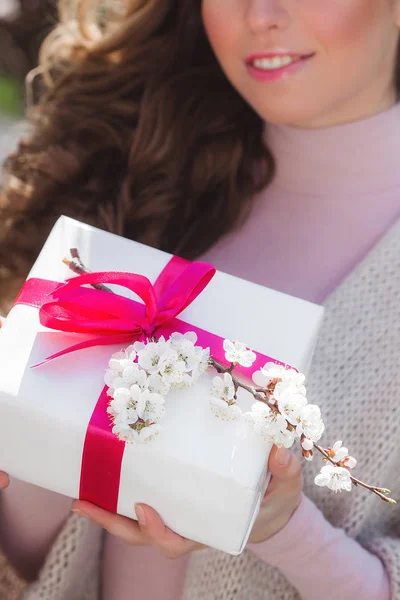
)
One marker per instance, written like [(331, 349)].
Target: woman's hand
[(281, 500), (282, 497), (148, 531)]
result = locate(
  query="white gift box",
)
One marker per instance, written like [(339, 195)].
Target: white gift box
[(204, 476)]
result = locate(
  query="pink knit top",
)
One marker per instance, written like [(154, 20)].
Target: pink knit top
[(335, 194)]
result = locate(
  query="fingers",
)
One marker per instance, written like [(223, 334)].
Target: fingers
[(150, 530), (286, 470), (125, 529), (167, 541), (4, 480)]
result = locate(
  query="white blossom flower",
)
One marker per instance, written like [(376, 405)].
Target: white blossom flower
[(130, 376), (350, 462), (153, 356), (149, 406), (283, 387), (310, 423), (181, 338), (123, 405), (185, 381), (118, 364), (290, 404), (134, 410), (172, 368), (137, 389), (203, 362), (285, 375), (238, 353), (288, 438), (224, 410), (223, 388), (188, 355), (138, 346), (158, 384), (335, 478), (271, 425), (338, 452), (123, 431), (110, 376), (122, 359), (133, 436), (146, 434), (184, 345), (222, 401)]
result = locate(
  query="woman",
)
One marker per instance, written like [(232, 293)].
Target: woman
[(166, 124)]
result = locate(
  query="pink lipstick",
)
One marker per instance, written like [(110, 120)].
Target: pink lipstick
[(273, 66)]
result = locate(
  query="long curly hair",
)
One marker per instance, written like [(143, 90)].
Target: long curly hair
[(137, 131)]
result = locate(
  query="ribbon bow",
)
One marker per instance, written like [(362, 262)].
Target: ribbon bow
[(78, 309)]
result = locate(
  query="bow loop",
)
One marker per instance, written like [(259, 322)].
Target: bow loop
[(73, 292), (71, 307), (190, 280), (85, 310)]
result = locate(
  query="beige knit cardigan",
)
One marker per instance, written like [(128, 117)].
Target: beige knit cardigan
[(355, 378)]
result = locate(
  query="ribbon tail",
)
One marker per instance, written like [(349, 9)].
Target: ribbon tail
[(102, 341)]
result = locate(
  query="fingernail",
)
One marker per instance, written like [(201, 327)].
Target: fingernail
[(79, 512), (141, 515), (283, 456)]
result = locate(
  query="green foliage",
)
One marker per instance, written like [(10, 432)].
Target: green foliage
[(10, 97)]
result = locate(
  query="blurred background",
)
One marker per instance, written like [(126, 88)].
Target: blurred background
[(23, 25)]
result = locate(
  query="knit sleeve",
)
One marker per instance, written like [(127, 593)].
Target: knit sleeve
[(321, 561), (388, 550), (11, 584)]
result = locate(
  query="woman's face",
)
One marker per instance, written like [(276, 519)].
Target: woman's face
[(307, 63)]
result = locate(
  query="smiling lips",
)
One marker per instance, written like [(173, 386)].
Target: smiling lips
[(273, 66)]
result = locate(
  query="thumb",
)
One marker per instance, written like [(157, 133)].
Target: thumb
[(285, 466), (4, 480)]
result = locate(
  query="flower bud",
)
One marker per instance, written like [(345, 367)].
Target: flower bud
[(349, 462), (307, 444)]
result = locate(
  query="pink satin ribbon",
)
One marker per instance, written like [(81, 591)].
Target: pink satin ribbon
[(71, 307)]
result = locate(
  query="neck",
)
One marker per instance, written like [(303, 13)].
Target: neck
[(359, 155)]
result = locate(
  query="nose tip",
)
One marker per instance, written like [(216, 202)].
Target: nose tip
[(267, 14)]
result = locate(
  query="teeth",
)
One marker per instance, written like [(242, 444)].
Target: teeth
[(268, 64)]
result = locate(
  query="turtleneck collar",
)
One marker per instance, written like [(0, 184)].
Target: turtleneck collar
[(362, 156)]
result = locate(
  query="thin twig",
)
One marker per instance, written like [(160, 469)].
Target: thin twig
[(257, 393), (375, 490), (77, 266)]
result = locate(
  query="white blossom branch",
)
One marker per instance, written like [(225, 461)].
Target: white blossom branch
[(260, 394), (381, 492)]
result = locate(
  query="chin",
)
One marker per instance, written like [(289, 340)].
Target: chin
[(292, 115)]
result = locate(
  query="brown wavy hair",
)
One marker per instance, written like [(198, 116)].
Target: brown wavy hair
[(137, 131), (21, 36)]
